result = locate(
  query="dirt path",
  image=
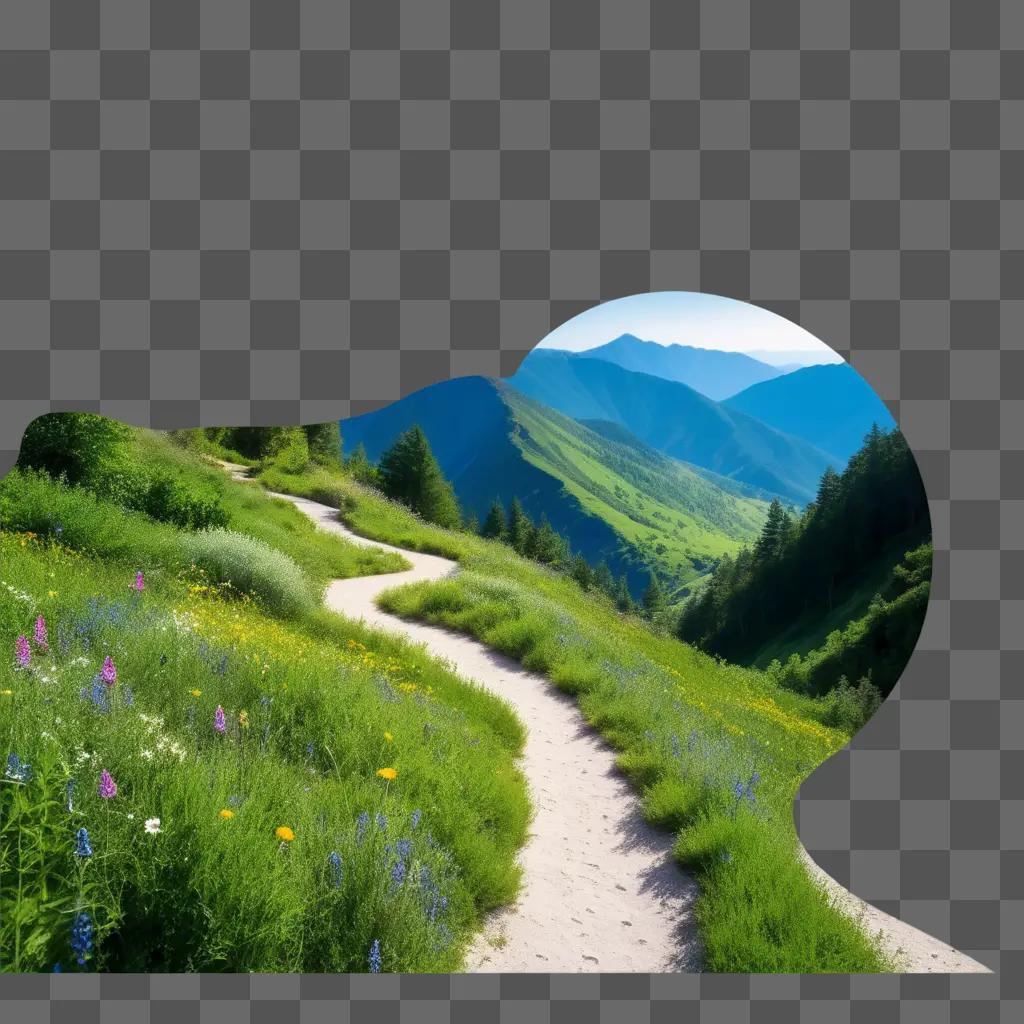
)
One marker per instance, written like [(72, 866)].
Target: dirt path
[(600, 889)]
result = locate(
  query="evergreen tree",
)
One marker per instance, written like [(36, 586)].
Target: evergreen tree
[(519, 527), (549, 547), (360, 468), (494, 525), (655, 599), (603, 578), (324, 441), (774, 532), (581, 572), (623, 598), (409, 473), (473, 524)]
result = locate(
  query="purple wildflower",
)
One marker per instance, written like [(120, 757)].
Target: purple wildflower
[(374, 958), (108, 787), (22, 651), (140, 582), (41, 638), (218, 720), (109, 672), (403, 848)]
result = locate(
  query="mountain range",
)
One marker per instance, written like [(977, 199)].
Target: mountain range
[(713, 373), (831, 406), (675, 419), (614, 497)]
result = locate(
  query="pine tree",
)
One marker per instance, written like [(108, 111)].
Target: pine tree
[(409, 473), (494, 525), (473, 524), (603, 578), (581, 572), (623, 598), (655, 599), (519, 527), (360, 468), (549, 547), (773, 533), (324, 440)]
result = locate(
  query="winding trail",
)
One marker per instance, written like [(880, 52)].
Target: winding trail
[(600, 891)]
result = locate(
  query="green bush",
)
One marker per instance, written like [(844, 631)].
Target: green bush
[(252, 567), (171, 501), (71, 445)]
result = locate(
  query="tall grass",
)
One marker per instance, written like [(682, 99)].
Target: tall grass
[(716, 751)]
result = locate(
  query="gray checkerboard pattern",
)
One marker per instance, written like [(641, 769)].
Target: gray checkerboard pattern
[(227, 211)]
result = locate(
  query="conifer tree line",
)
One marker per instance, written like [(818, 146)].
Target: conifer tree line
[(809, 563)]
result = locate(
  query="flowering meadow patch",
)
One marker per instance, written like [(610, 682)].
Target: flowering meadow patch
[(193, 780)]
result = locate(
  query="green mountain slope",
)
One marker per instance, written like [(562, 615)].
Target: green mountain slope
[(614, 498), (676, 420)]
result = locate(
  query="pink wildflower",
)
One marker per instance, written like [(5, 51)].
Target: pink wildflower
[(22, 651), (109, 671), (108, 787), (218, 719), (40, 634), (140, 583)]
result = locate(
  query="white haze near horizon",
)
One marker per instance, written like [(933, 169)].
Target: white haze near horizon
[(695, 319)]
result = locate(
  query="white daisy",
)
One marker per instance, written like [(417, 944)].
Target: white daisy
[(152, 826)]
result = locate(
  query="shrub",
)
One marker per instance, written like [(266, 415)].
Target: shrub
[(849, 707), (252, 567), (171, 501), (71, 445)]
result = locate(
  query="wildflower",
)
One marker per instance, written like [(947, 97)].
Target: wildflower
[(388, 773), (127, 697), (382, 822), (51, 593), (361, 822), (415, 819), (387, 736), (403, 847), (98, 696), (374, 958), (83, 848), (398, 873), (196, 693), (284, 833), (335, 861), (69, 791), (22, 651), (6, 693), (140, 582), (109, 671), (235, 801), (226, 814), (40, 634), (81, 937), (243, 719), (18, 770), (151, 826), (218, 720), (108, 787), (309, 750)]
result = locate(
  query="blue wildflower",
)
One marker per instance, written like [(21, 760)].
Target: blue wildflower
[(415, 819), (691, 741), (18, 770), (335, 861), (374, 958), (309, 749), (398, 872), (235, 800), (98, 695), (426, 880), (676, 750), (382, 822), (127, 697), (81, 937), (82, 846), (361, 822), (403, 848)]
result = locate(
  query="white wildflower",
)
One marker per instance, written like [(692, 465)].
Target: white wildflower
[(152, 826)]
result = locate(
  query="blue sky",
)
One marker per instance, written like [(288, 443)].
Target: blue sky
[(691, 318)]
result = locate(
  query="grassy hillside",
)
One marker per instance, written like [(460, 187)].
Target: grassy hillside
[(716, 751), (211, 797), (614, 498), (676, 420)]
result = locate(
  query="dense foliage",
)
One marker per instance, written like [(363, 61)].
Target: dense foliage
[(409, 473), (807, 564)]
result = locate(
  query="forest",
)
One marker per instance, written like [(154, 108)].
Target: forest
[(806, 565)]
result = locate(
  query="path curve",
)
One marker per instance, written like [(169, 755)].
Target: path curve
[(601, 891)]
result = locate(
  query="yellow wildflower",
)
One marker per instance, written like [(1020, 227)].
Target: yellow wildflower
[(284, 833), (196, 693), (388, 736), (388, 773), (243, 719), (6, 693), (226, 814)]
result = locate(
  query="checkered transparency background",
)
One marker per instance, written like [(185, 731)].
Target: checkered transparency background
[(291, 210)]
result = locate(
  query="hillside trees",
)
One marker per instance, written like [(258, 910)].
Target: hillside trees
[(876, 509), (409, 473)]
